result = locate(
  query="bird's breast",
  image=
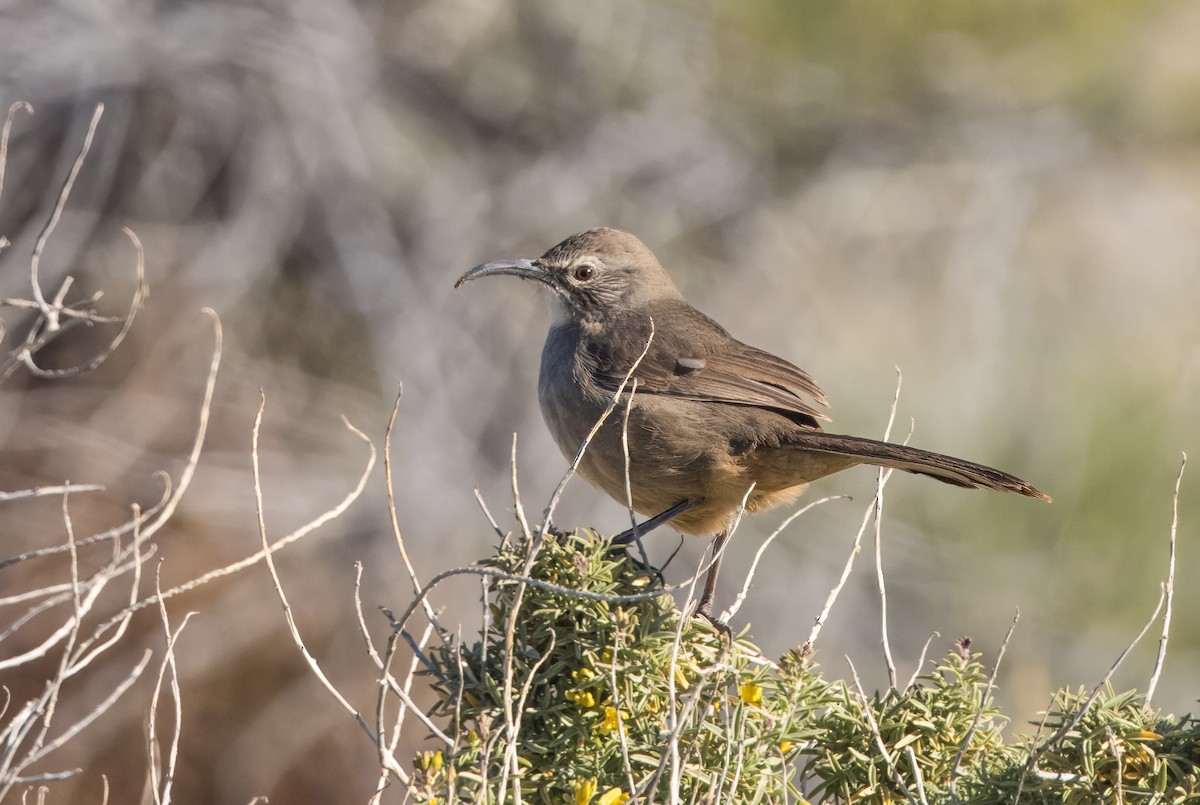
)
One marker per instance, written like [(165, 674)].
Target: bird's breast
[(569, 407)]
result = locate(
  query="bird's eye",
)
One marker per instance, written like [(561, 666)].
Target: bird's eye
[(584, 272)]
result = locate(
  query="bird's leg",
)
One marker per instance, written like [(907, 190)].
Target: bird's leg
[(710, 581), (631, 534)]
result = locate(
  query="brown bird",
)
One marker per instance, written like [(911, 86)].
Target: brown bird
[(710, 416)]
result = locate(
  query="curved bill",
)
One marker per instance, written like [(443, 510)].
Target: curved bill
[(520, 267)]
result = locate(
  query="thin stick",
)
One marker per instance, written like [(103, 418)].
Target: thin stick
[(486, 513), (510, 750), (112, 533), (637, 538), (987, 694), (678, 719), (671, 756), (807, 647), (64, 194), (879, 742), (81, 604), (516, 493), (535, 542), (139, 296), (487, 572), (1117, 751), (388, 683), (592, 433), (161, 788), (1170, 589), (883, 608), (719, 543), (1070, 725), (93, 647), (167, 509), (921, 661), (758, 555), (918, 779), (48, 777), (391, 487), (266, 552), (276, 546), (1036, 735), (97, 711), (7, 131), (887, 757), (395, 520), (622, 735), (42, 491)]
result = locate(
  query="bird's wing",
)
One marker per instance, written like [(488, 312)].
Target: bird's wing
[(709, 365)]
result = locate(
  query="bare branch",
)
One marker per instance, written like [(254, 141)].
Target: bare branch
[(987, 694), (741, 597), (110, 534), (161, 787), (1070, 724), (637, 537), (139, 295), (921, 660), (267, 551), (807, 648), (491, 520), (1170, 588), (881, 480), (519, 509), (391, 504), (391, 490), (43, 491), (96, 712), (592, 433), (7, 132), (879, 742), (51, 316), (875, 509)]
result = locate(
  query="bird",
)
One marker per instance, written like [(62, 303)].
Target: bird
[(706, 418)]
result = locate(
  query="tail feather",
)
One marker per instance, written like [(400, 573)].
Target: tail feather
[(947, 469)]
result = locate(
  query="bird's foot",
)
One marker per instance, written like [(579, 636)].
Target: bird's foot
[(704, 610)]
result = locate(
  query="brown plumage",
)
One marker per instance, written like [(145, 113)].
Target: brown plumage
[(710, 415)]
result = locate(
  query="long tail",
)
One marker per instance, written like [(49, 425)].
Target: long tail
[(947, 469)]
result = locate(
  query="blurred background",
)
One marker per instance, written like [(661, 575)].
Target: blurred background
[(1000, 198)]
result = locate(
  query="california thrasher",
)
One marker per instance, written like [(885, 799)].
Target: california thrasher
[(710, 416)]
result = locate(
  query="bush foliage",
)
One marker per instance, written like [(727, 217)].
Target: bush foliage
[(590, 686)]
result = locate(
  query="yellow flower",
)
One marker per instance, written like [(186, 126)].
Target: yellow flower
[(610, 722), (751, 694), (431, 761), (786, 746), (613, 796), (584, 790), (581, 698)]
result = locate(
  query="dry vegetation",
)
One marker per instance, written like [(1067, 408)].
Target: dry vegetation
[(319, 176), (588, 682)]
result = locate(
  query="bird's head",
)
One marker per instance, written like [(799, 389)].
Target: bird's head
[(593, 276)]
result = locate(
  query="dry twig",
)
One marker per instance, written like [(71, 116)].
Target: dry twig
[(987, 693), (1169, 590)]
